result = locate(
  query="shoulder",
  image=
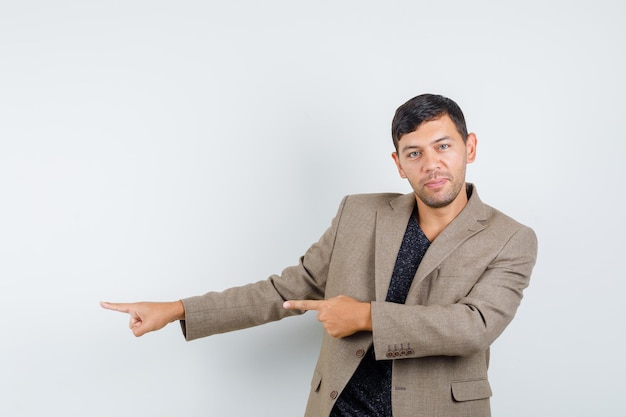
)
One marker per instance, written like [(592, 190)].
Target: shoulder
[(500, 226), (364, 208), (376, 201), (373, 199)]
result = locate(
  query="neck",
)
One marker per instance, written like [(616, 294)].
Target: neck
[(434, 220)]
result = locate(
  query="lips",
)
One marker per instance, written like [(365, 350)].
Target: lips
[(435, 182)]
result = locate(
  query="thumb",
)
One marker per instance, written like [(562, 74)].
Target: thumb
[(138, 328)]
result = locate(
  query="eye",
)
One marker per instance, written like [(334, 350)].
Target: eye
[(414, 154), (444, 146)]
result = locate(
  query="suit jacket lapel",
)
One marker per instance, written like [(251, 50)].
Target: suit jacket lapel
[(391, 225), (467, 223)]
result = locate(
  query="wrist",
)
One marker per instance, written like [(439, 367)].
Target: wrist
[(178, 310), (367, 317)]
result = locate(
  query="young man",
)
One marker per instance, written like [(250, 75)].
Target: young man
[(411, 289)]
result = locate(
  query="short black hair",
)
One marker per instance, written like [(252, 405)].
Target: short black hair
[(424, 108)]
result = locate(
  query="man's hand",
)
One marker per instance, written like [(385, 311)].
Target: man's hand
[(341, 316), (146, 317)]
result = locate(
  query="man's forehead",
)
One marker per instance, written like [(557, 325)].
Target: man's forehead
[(433, 130)]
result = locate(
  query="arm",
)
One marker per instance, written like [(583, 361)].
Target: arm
[(466, 326), (262, 302), (239, 307)]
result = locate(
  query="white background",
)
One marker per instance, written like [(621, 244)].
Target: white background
[(154, 150)]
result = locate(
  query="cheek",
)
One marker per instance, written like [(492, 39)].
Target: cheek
[(410, 170), (400, 168), (456, 162)]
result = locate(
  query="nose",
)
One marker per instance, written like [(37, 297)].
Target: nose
[(430, 161)]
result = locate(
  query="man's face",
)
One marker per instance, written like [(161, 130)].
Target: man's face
[(433, 159)]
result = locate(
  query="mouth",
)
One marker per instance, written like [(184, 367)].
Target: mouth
[(435, 182)]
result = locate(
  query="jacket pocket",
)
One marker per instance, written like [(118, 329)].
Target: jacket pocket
[(474, 389)]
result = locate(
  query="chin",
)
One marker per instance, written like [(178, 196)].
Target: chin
[(437, 201)]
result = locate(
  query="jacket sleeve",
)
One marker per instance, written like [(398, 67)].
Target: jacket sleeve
[(466, 325), (261, 302)]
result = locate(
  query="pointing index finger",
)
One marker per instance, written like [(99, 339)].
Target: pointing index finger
[(302, 304), (114, 306)]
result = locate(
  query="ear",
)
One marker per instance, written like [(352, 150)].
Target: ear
[(396, 159), (470, 147)]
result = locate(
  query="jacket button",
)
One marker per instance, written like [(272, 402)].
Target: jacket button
[(390, 354), (360, 353), (334, 394)]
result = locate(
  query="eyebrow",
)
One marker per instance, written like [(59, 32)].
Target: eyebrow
[(441, 139)]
